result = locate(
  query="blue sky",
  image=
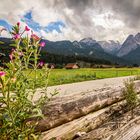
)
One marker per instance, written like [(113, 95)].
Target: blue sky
[(28, 19), (5, 24)]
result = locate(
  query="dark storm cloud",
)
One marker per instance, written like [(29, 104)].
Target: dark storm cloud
[(79, 5), (128, 10), (85, 11), (80, 15)]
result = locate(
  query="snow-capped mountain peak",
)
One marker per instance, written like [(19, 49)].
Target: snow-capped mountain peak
[(110, 46), (88, 41)]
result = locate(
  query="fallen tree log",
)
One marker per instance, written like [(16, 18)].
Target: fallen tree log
[(86, 123), (114, 127), (64, 109), (131, 131)]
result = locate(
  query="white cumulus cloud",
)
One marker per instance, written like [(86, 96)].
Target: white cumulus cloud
[(100, 19)]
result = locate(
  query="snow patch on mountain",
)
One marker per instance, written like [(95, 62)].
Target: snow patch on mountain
[(110, 46), (88, 41)]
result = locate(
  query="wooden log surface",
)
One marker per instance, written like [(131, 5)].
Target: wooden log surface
[(131, 131), (86, 123), (65, 109)]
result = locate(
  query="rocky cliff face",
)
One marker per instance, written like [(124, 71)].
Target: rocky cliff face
[(130, 44), (111, 46)]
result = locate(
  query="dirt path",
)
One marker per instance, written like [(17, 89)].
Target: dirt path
[(85, 86)]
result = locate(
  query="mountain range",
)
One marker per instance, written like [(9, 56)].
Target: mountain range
[(126, 53), (110, 51), (87, 48)]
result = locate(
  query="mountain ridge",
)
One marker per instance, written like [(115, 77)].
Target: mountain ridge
[(91, 50), (112, 51), (131, 43)]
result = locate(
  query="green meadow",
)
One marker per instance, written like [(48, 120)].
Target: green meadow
[(63, 76)]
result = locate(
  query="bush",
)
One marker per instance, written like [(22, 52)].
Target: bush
[(17, 87), (130, 96)]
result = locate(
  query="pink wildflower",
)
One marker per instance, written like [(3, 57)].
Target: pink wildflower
[(2, 73), (42, 44), (20, 53), (41, 63), (18, 24), (16, 36), (11, 56), (27, 28), (13, 49), (35, 37)]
